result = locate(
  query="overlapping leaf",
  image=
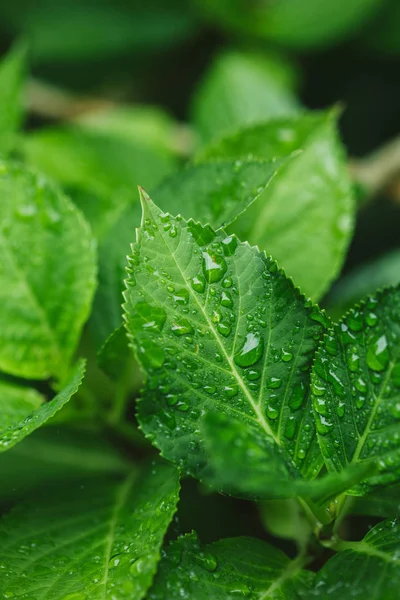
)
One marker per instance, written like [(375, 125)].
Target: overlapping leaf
[(47, 275), (218, 327), (356, 388), (22, 413), (304, 218), (366, 569), (97, 541), (242, 567)]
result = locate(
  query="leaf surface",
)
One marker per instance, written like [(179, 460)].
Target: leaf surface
[(100, 541), (21, 419), (366, 569), (356, 388), (217, 327), (47, 277), (242, 88), (231, 568), (304, 218)]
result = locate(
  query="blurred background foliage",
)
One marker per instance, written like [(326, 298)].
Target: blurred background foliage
[(123, 92)]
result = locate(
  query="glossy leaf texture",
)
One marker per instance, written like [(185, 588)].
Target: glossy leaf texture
[(47, 277), (298, 24), (356, 388), (93, 542), (305, 216), (218, 327), (55, 455), (242, 88), (23, 413), (215, 192), (231, 568), (12, 71), (101, 169), (366, 569)]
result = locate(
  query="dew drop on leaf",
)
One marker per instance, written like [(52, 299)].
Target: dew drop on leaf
[(251, 351), (378, 354), (297, 397), (224, 329), (182, 327), (214, 266), (206, 561), (198, 283), (286, 356)]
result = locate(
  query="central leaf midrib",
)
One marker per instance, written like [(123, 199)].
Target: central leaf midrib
[(256, 409)]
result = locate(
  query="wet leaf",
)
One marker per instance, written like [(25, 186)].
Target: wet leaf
[(107, 533), (356, 389)]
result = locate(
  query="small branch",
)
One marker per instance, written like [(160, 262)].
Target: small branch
[(379, 171)]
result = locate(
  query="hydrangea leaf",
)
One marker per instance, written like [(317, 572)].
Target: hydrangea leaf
[(356, 389), (101, 540), (217, 326), (22, 414), (309, 199), (366, 569), (231, 568), (47, 277)]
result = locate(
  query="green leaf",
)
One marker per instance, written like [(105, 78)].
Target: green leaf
[(55, 455), (243, 462), (107, 533), (115, 356), (12, 71), (242, 88), (20, 420), (366, 569), (101, 172), (17, 402), (382, 36), (217, 326), (47, 278), (242, 567), (321, 206), (355, 383), (365, 279), (215, 192), (383, 502), (294, 23)]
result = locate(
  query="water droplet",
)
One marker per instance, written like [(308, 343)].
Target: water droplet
[(226, 299), (139, 566), (171, 399), (353, 361), (210, 389), (224, 329), (231, 390), (214, 267), (355, 320), (182, 406), (371, 319), (290, 428), (274, 383), (297, 397), (320, 317), (378, 354), (182, 327), (340, 409), (240, 589), (251, 351), (272, 412), (361, 385), (227, 282), (301, 454), (181, 296), (253, 374), (286, 356), (229, 245), (198, 283), (323, 425)]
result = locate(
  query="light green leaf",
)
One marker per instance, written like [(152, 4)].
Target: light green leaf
[(365, 279), (55, 455), (294, 23), (356, 389), (215, 192), (305, 216), (20, 421), (101, 171), (47, 278), (16, 403), (107, 533), (231, 568), (12, 71), (242, 88), (217, 326), (366, 569)]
